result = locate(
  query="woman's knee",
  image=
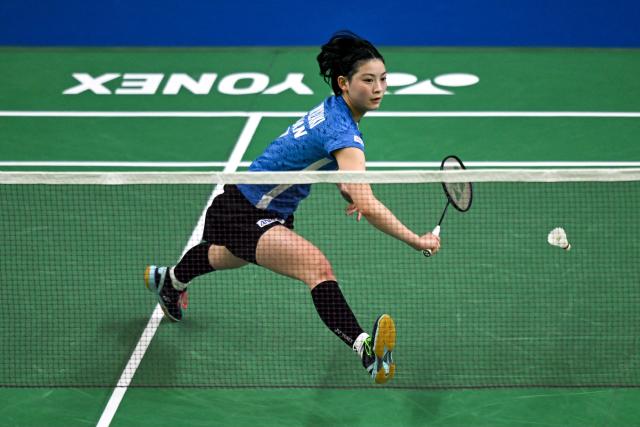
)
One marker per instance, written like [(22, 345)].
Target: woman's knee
[(321, 272), (221, 258)]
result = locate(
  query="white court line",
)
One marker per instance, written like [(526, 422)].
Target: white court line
[(370, 164), (398, 114), (156, 317)]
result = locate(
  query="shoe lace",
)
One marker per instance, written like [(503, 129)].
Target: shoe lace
[(368, 349)]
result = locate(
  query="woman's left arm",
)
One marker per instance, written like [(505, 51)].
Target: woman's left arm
[(376, 213)]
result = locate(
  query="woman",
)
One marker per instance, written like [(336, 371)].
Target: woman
[(254, 223)]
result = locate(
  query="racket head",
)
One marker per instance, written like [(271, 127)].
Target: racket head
[(460, 194)]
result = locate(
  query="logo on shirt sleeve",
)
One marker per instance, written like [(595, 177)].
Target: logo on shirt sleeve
[(357, 139)]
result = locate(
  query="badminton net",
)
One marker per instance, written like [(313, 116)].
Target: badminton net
[(496, 306)]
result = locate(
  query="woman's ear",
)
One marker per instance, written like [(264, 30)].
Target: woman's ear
[(343, 83)]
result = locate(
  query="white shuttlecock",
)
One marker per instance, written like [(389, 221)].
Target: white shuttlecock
[(558, 237)]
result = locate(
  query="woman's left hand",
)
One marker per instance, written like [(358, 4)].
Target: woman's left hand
[(351, 209)]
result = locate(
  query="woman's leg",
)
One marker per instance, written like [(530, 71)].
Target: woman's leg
[(286, 252), (220, 258), (202, 259)]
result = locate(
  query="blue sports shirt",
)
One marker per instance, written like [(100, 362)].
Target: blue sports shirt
[(308, 145)]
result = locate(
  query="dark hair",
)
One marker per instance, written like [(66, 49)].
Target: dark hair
[(340, 57)]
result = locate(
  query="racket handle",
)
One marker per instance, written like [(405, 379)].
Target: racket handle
[(435, 232)]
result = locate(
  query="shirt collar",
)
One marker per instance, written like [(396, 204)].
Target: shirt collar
[(343, 105)]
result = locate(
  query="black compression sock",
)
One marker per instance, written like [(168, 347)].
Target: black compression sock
[(194, 263), (335, 312)]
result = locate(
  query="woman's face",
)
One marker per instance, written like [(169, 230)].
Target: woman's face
[(367, 86)]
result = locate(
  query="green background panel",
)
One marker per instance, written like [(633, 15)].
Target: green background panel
[(510, 79), (502, 139), (484, 139), (119, 139)]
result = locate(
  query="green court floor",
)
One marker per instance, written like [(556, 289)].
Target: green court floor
[(601, 82)]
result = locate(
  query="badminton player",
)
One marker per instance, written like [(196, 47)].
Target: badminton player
[(254, 223)]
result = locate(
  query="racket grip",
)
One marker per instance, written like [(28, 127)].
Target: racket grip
[(435, 232)]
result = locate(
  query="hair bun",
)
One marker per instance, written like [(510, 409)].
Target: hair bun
[(340, 55)]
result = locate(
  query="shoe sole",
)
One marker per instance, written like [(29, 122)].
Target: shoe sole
[(384, 342), (150, 272)]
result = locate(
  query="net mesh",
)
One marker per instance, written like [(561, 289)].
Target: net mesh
[(497, 306)]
